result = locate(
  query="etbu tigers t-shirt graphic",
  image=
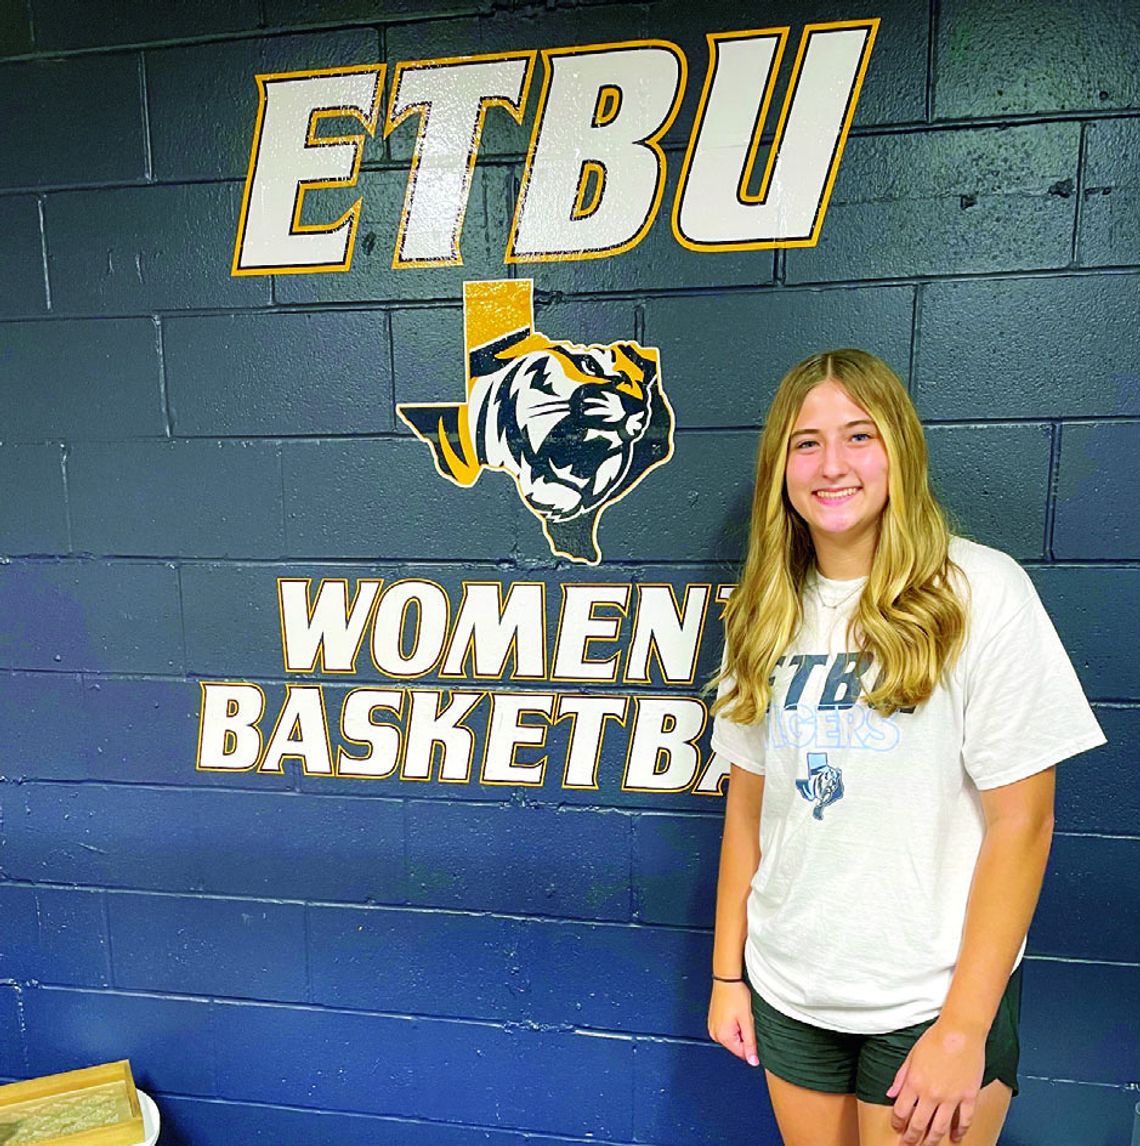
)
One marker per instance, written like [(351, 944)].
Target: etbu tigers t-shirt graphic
[(871, 825)]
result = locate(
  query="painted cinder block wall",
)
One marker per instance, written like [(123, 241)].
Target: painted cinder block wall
[(292, 960)]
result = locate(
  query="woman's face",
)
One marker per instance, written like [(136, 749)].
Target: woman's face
[(836, 474)]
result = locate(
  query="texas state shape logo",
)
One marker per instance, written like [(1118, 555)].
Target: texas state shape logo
[(576, 427)]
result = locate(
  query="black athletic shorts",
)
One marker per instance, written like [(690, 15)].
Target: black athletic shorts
[(866, 1065)]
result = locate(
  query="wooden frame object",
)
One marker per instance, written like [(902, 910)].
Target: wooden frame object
[(97, 1106)]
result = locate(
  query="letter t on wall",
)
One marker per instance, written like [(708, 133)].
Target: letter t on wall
[(287, 159), (452, 97)]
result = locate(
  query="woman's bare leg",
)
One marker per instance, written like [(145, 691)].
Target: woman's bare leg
[(811, 1117), (989, 1115)]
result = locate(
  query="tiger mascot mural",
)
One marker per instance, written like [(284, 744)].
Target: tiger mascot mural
[(577, 427)]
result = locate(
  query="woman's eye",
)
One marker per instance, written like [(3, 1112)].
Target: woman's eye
[(861, 436), (804, 443)]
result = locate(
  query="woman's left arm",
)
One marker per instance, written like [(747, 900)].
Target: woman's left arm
[(943, 1072)]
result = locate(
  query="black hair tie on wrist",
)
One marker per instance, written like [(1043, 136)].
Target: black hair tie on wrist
[(722, 979)]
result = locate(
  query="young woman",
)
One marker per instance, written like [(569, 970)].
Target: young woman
[(892, 703)]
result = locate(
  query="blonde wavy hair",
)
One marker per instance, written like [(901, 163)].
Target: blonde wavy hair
[(909, 620)]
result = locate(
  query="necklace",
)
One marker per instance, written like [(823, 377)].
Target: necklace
[(835, 602)]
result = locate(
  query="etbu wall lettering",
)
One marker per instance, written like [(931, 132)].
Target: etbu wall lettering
[(475, 727), (595, 171)]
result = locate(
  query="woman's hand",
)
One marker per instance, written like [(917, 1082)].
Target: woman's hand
[(730, 1020), (937, 1086)]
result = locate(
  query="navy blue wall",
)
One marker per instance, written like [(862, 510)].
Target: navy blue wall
[(292, 960)]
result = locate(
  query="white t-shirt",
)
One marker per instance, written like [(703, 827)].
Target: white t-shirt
[(871, 825)]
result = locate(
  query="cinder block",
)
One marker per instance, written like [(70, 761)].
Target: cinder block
[(385, 499), (1029, 348), (198, 1122), (688, 1094), (40, 106), (1075, 1021), (194, 946), (137, 250), (80, 380), (1110, 215), (532, 971), (53, 935), (11, 1033), (219, 600), (522, 860), (992, 60), (33, 514), (948, 202), (502, 30), (225, 843), (1090, 903), (1053, 1113), (206, 132), (146, 732), (1091, 607), (1095, 514), (296, 13), (593, 1097), (372, 278), (1097, 791), (135, 22), (96, 616), (22, 289), (403, 961), (427, 355), (15, 30), (585, 320), (167, 1040), (506, 1072), (675, 867), (270, 374), (656, 978), (722, 356), (316, 1058), (994, 481), (186, 498), (695, 507), (37, 739)]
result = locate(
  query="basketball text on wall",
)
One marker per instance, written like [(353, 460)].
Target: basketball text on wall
[(492, 681)]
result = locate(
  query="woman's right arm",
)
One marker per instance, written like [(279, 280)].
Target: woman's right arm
[(730, 1008)]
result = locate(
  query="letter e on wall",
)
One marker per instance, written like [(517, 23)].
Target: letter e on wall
[(288, 159)]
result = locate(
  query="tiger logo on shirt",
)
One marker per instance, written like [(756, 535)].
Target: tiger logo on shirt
[(576, 426), (824, 784)]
